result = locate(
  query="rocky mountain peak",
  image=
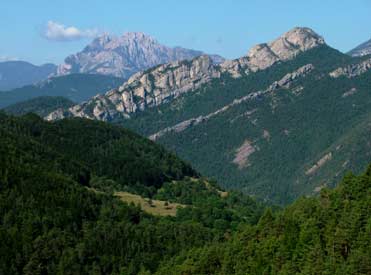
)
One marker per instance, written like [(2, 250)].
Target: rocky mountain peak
[(284, 47), (138, 36), (304, 38), (124, 55), (264, 55)]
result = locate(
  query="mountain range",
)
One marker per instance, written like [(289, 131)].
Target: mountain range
[(159, 84), (106, 57), (277, 123), (173, 103)]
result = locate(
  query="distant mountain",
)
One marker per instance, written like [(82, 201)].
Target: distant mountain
[(15, 74), (41, 105), (76, 87), (123, 56), (361, 50)]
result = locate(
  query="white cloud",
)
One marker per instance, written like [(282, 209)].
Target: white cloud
[(8, 58), (59, 32)]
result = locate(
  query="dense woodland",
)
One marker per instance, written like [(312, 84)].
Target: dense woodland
[(330, 234), (58, 214)]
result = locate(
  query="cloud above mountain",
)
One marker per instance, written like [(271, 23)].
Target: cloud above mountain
[(55, 31)]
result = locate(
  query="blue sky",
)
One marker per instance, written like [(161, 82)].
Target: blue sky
[(228, 28)]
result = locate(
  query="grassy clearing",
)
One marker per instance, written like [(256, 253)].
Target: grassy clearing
[(154, 207)]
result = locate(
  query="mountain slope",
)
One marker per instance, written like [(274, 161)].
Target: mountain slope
[(123, 56), (106, 150), (276, 124), (15, 74), (59, 215), (76, 87), (271, 134), (41, 106), (361, 50)]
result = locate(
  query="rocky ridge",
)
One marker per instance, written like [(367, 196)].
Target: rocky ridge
[(162, 83), (284, 82), (145, 89), (352, 70)]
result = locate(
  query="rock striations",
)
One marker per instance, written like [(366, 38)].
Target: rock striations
[(123, 56), (162, 83)]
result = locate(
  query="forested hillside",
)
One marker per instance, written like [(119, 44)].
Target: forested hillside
[(41, 105), (325, 235), (59, 213)]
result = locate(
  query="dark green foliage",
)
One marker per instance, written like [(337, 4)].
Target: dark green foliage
[(325, 235), (76, 87), (210, 206), (113, 152), (41, 106), (53, 222)]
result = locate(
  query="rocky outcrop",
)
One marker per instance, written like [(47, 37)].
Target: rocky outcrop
[(123, 56), (319, 164), (236, 68), (164, 82), (283, 48), (288, 79), (349, 93), (362, 50), (352, 70), (241, 158), (146, 89)]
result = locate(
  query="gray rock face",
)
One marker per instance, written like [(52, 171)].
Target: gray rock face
[(362, 50), (265, 55), (286, 81), (123, 56), (146, 89), (352, 70), (164, 82)]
